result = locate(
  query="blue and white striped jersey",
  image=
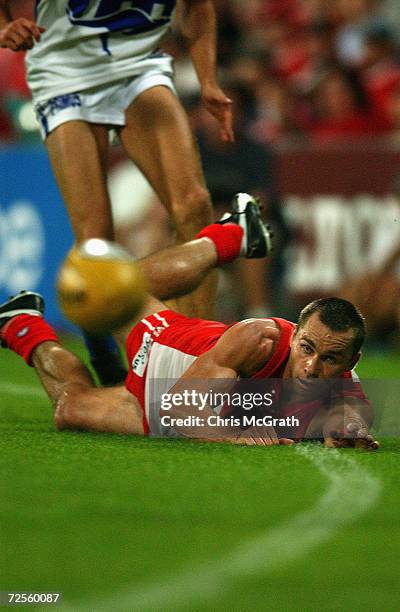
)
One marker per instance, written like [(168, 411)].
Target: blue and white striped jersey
[(92, 42)]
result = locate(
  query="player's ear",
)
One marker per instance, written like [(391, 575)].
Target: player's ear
[(294, 332), (354, 360)]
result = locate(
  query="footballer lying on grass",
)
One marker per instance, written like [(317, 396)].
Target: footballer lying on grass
[(192, 353)]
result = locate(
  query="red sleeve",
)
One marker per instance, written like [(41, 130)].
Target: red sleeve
[(276, 364)]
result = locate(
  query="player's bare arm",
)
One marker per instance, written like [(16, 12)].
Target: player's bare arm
[(198, 25), (19, 34), (242, 350)]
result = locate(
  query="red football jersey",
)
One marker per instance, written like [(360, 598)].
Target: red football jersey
[(164, 345)]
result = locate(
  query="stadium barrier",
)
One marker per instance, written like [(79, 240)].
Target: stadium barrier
[(35, 233), (342, 206)]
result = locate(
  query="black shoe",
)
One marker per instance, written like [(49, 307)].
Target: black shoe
[(26, 302), (257, 237)]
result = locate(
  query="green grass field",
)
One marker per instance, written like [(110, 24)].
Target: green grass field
[(123, 523)]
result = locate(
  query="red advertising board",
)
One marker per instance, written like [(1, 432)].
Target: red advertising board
[(343, 208)]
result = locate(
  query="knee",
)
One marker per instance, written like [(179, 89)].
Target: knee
[(66, 414), (193, 211), (60, 420)]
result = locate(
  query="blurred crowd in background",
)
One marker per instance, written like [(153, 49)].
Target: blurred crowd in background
[(300, 73), (314, 70)]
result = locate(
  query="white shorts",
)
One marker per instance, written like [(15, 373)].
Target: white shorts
[(102, 104)]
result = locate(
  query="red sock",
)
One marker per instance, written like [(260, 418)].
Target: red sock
[(23, 333), (227, 239)]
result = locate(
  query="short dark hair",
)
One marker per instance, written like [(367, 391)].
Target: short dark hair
[(339, 315)]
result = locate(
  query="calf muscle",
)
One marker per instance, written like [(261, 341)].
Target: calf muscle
[(78, 404)]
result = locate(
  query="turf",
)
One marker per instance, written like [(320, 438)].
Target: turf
[(92, 515)]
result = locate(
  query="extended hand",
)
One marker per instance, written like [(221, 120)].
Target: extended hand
[(19, 35), (356, 435), (220, 106)]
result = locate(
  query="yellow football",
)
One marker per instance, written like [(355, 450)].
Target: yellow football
[(100, 287)]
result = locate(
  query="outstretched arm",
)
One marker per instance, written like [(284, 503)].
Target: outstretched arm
[(198, 25), (19, 34)]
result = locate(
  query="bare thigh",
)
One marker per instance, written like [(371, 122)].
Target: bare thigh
[(158, 138), (78, 155)]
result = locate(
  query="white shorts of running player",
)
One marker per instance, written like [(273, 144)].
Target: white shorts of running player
[(104, 104)]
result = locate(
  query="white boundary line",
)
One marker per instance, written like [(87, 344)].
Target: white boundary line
[(351, 492), (16, 389)]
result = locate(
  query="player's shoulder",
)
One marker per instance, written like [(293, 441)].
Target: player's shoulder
[(256, 328), (257, 322), (274, 322), (259, 332)]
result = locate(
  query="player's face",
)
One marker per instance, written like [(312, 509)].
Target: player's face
[(319, 352)]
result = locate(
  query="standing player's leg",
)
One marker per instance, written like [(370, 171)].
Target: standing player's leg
[(78, 155), (158, 138), (78, 404)]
